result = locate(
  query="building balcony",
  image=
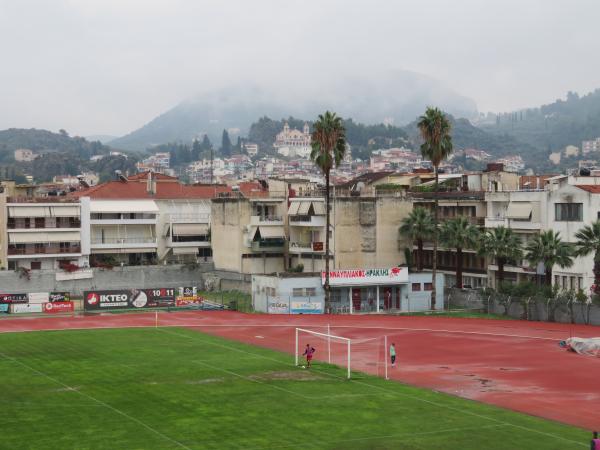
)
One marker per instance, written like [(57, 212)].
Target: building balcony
[(123, 219), (307, 247), (268, 245), (307, 221), (494, 222), (40, 250), (128, 242), (64, 226), (195, 242), (473, 220), (266, 220), (447, 195)]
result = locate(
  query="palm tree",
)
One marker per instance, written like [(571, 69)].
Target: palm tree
[(459, 234), (503, 245), (418, 226), (437, 146), (588, 241), (548, 248), (328, 148)]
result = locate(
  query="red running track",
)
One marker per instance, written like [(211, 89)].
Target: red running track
[(512, 364)]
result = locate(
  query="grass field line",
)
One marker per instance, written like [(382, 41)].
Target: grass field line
[(395, 436), (94, 399), (393, 392)]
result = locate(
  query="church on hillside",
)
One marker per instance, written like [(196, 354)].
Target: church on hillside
[(292, 142)]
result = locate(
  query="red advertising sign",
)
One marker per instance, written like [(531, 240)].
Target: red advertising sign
[(58, 307), (189, 301)]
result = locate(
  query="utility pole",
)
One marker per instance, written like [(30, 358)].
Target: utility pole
[(212, 159)]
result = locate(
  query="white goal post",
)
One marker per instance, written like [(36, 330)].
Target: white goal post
[(368, 355)]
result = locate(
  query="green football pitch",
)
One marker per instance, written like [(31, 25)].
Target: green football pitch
[(175, 388)]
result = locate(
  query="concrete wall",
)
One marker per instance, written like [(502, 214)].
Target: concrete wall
[(117, 278), (366, 231), (229, 219)]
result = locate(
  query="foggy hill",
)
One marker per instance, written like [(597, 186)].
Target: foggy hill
[(553, 126), (396, 98)]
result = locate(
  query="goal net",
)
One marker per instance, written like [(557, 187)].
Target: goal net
[(352, 354)]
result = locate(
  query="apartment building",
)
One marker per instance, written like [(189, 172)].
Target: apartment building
[(462, 195), (148, 219), (44, 233), (248, 230)]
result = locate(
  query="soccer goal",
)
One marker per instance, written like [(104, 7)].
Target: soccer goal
[(364, 355)]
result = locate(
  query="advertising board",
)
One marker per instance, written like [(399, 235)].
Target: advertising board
[(188, 296), (306, 308), (59, 297), (13, 298), (37, 297), (19, 308), (129, 298), (276, 305), (58, 307), (361, 277)]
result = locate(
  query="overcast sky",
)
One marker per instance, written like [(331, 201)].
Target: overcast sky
[(109, 66)]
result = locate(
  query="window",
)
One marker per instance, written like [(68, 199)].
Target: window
[(572, 281), (428, 286), (564, 282), (416, 287), (580, 283), (556, 280), (36, 265), (297, 292), (311, 292), (572, 212)]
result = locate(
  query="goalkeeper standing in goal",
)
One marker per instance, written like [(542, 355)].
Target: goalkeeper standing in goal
[(393, 354), (309, 352)]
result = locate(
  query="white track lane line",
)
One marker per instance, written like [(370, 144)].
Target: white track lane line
[(100, 402), (357, 327), (393, 392)]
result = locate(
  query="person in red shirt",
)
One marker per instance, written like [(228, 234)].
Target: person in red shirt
[(309, 352)]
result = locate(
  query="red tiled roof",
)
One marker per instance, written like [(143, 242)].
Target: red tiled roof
[(253, 189), (115, 190), (591, 188)]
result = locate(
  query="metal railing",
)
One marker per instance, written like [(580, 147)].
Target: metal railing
[(25, 226), (129, 240), (40, 250)]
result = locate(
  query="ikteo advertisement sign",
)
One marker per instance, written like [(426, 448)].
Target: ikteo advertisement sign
[(361, 277), (129, 298)]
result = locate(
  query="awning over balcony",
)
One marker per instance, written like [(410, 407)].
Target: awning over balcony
[(519, 210), (42, 237), (64, 211), (270, 232), (190, 229), (302, 208), (185, 250), (319, 208), (29, 211), (123, 206), (293, 211)]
